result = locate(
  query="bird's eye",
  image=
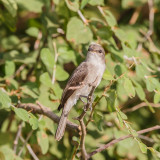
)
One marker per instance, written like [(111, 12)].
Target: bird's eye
[(89, 49), (100, 51)]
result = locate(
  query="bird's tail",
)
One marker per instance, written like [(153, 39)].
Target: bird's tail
[(61, 126)]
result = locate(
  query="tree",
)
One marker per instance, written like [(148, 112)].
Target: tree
[(41, 44)]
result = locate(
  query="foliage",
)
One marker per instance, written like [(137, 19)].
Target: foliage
[(41, 44)]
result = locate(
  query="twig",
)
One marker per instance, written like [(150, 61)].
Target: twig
[(17, 137), (135, 16), (28, 137), (143, 104), (100, 149), (82, 17), (55, 60), (47, 112), (29, 149), (151, 16), (93, 107), (25, 142), (83, 127)]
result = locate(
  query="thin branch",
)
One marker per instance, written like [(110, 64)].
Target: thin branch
[(55, 61), (82, 17), (29, 149), (47, 112), (28, 137), (93, 107), (17, 137), (83, 127), (138, 106), (151, 16), (111, 143)]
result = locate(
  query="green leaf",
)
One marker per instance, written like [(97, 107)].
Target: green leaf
[(33, 121), (78, 32), (47, 58), (11, 6), (5, 101), (32, 31), (9, 68), (98, 119), (61, 74), (156, 97), (49, 125), (129, 88), (120, 34), (152, 84), (110, 18), (143, 147), (122, 115), (45, 79), (30, 5), (140, 91), (84, 3), (107, 75), (120, 119), (111, 101), (96, 2), (22, 114), (43, 141), (73, 5), (133, 132), (118, 70)]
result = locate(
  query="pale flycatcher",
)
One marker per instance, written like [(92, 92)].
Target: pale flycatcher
[(87, 75)]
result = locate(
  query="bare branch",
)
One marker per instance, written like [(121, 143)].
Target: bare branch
[(83, 127), (138, 106), (100, 149), (47, 112), (55, 60), (17, 137), (82, 17), (151, 16), (29, 149)]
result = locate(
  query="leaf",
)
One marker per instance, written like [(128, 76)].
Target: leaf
[(98, 119), (152, 84), (45, 79), (118, 70), (140, 91), (143, 147), (133, 132), (96, 2), (32, 31), (47, 58), (33, 121), (5, 101), (128, 86), (49, 125), (84, 3), (110, 18), (11, 6), (73, 5), (77, 32), (120, 119), (107, 75), (22, 114), (122, 115), (111, 101), (9, 68), (156, 97), (43, 141), (61, 74)]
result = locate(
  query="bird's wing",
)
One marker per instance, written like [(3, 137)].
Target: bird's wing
[(75, 82)]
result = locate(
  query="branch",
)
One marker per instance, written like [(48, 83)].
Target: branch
[(83, 127), (100, 149), (29, 149), (138, 106), (17, 137), (82, 17), (47, 112), (55, 61)]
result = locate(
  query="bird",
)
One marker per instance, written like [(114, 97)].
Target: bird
[(87, 75)]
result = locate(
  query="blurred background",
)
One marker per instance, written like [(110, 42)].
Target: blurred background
[(42, 42)]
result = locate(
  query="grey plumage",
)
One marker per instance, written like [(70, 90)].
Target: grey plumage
[(86, 75)]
